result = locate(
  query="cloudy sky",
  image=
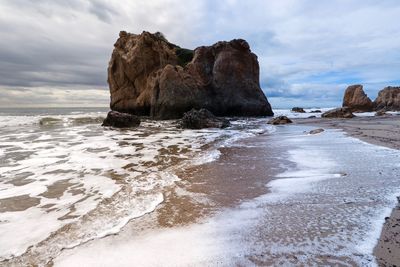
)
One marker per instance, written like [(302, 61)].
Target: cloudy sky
[(56, 52)]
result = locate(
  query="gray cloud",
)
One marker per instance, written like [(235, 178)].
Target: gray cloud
[(309, 51), (102, 10)]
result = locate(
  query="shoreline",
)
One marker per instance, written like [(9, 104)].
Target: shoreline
[(179, 215), (382, 131), (241, 174)]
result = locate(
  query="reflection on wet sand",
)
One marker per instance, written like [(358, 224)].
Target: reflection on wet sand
[(18, 203)]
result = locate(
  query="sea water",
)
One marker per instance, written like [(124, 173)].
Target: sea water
[(326, 209), (65, 180)]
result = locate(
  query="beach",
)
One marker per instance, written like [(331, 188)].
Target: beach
[(266, 201), (250, 195), (382, 131), (199, 133)]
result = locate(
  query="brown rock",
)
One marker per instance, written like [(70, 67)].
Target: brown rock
[(299, 110), (149, 76), (121, 120), (356, 99), (343, 112), (199, 119), (382, 113), (388, 99), (280, 120), (316, 131)]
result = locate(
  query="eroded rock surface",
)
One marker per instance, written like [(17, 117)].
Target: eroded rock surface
[(150, 76), (280, 120), (356, 99), (388, 99), (298, 110), (199, 119), (343, 112), (121, 120)]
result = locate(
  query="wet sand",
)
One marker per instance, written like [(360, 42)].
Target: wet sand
[(382, 131), (309, 228), (240, 174)]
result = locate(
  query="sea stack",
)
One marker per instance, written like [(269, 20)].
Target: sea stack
[(388, 99), (356, 99), (150, 76)]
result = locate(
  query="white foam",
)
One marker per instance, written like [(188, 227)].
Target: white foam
[(305, 215), (88, 157), (207, 157), (290, 114)]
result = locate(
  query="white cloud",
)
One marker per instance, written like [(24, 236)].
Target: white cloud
[(53, 97)]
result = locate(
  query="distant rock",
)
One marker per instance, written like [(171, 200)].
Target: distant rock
[(150, 76), (311, 117), (280, 120), (343, 112), (316, 131), (382, 113), (298, 110), (121, 120), (356, 99), (316, 111), (388, 99), (199, 119)]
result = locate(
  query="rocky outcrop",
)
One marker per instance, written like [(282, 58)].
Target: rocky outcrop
[(388, 99), (356, 99), (298, 110), (343, 112), (199, 119), (316, 131), (121, 120), (382, 113), (316, 111), (149, 76), (280, 120)]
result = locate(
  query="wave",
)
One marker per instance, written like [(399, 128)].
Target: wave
[(57, 121), (111, 176)]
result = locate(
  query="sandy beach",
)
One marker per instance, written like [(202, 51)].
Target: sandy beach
[(253, 195), (246, 208), (382, 131)]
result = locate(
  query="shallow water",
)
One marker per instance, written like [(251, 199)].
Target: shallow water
[(326, 209), (308, 112), (65, 180)]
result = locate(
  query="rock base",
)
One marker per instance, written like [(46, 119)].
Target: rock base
[(199, 119), (121, 120)]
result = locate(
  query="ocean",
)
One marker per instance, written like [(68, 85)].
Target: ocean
[(65, 181)]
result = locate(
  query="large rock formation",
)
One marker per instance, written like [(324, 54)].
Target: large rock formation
[(388, 99), (356, 99), (149, 76)]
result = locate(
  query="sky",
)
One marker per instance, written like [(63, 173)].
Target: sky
[(56, 52)]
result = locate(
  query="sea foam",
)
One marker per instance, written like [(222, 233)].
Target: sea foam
[(90, 181), (327, 208)]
